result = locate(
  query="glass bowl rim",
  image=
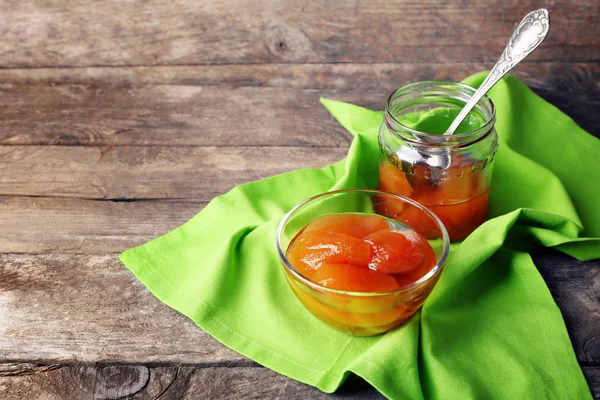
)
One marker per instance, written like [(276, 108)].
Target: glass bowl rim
[(425, 278)]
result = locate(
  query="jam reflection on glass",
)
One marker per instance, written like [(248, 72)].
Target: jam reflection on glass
[(460, 200), (360, 253)]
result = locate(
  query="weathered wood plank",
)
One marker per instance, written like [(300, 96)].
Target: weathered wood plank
[(348, 76), (592, 374), (237, 104), (166, 115), (89, 33), (169, 382), (182, 382), (89, 308), (575, 286), (62, 225), (123, 172)]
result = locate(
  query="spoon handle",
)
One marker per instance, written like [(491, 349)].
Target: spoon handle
[(525, 39)]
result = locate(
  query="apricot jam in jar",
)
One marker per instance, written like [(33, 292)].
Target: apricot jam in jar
[(450, 175)]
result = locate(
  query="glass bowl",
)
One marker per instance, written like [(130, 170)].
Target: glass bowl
[(363, 313)]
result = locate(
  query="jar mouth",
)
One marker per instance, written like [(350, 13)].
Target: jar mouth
[(420, 96)]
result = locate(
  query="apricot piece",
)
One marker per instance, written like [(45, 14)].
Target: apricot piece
[(463, 218), (355, 322), (355, 225), (354, 279), (387, 206), (425, 194), (393, 180), (310, 250), (457, 187), (395, 252), (427, 265), (420, 221)]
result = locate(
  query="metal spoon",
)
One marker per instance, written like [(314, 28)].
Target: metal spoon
[(525, 39)]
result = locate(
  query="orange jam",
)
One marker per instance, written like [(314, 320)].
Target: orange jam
[(460, 200), (360, 253)]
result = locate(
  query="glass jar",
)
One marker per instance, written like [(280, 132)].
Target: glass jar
[(450, 175)]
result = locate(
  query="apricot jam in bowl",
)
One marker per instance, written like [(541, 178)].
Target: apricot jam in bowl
[(355, 269)]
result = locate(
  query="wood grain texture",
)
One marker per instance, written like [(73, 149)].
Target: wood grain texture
[(153, 172), (119, 120), (579, 302), (139, 382), (89, 308), (89, 33), (384, 77), (592, 374), (165, 115), (237, 105), (63, 225), (182, 382)]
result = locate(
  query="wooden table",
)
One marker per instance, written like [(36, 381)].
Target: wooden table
[(119, 120)]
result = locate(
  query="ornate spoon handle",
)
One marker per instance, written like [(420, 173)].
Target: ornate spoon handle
[(525, 39)]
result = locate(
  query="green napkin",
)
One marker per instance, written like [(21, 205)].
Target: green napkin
[(490, 328)]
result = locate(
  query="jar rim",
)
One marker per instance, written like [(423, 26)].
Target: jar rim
[(454, 90)]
